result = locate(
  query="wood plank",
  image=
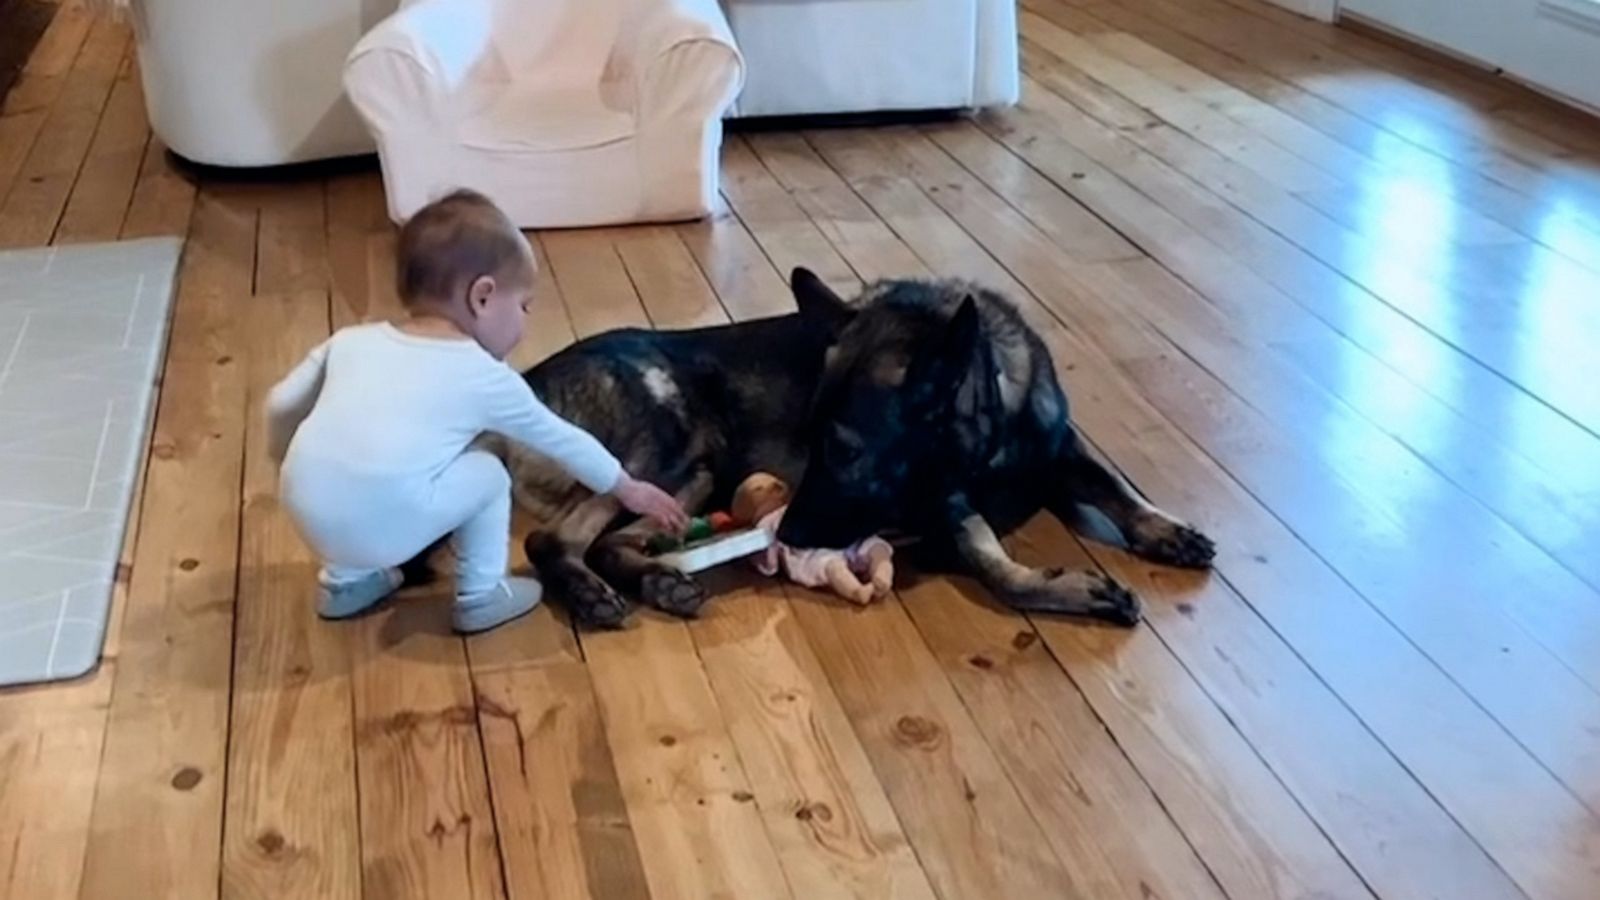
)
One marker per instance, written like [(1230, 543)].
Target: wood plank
[(41, 79), (960, 857), (157, 822), (1313, 282), (51, 740), (1544, 127), (783, 230), (427, 820), (101, 196), (1428, 118), (830, 821), (25, 22), (831, 825), (1096, 310), (868, 245), (1577, 557), (564, 828), (669, 282), (292, 821), (1264, 317), (1551, 527), (31, 209), (427, 826), (741, 274), (1498, 295), (1381, 768), (970, 828), (976, 641), (686, 789), (1098, 811), (1249, 93), (1251, 832), (593, 281), (163, 195)]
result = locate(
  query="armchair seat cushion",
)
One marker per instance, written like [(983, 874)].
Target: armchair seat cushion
[(518, 119)]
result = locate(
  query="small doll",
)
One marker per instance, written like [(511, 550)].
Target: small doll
[(860, 573)]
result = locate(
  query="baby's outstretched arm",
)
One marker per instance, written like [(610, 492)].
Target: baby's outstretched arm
[(291, 400), (520, 415)]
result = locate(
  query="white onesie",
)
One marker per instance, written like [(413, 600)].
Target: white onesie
[(373, 428)]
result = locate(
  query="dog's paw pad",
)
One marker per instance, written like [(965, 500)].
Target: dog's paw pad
[(673, 592), (1115, 603), (596, 605)]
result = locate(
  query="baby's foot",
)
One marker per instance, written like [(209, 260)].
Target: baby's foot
[(511, 598), (342, 598)]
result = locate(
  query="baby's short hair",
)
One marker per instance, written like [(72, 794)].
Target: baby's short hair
[(453, 240)]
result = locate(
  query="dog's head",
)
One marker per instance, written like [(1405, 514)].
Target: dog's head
[(907, 377)]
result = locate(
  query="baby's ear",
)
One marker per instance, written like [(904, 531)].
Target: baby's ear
[(480, 290)]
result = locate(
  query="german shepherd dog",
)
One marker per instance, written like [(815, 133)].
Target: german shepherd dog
[(924, 407)]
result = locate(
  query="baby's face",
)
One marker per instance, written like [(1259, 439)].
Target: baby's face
[(505, 311)]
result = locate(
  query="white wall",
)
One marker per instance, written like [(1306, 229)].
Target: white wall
[(1316, 9)]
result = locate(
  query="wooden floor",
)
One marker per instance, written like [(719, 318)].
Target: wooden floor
[(1336, 301)]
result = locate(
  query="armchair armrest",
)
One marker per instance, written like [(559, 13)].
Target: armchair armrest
[(412, 63), (682, 58)]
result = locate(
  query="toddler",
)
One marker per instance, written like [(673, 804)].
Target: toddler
[(372, 429)]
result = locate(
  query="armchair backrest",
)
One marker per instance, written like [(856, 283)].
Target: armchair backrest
[(568, 41)]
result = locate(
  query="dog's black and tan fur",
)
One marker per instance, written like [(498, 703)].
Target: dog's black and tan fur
[(928, 408)]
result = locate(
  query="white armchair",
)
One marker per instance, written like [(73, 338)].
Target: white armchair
[(566, 113)]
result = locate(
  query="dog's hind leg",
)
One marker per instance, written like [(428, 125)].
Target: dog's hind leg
[(1150, 532), (558, 554), (621, 559), (1076, 592)]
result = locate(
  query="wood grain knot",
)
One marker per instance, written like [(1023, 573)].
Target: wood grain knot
[(1024, 640), (1186, 610), (743, 796), (224, 360), (979, 661), (916, 731), (186, 778), (439, 830), (189, 565), (271, 842), (814, 811), (163, 450), (668, 740)]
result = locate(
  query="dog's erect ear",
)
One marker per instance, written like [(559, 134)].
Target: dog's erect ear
[(818, 303), (950, 358)]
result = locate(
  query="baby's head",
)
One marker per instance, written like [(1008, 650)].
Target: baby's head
[(757, 496), (462, 259)]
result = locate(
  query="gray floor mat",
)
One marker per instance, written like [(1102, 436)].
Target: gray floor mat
[(82, 336)]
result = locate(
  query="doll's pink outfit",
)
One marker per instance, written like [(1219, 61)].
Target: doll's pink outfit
[(809, 567)]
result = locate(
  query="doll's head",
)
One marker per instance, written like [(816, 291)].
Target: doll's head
[(758, 496)]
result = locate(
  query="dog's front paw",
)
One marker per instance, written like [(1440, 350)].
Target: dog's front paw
[(1116, 604), (1174, 544), (595, 604), (1081, 593), (672, 591)]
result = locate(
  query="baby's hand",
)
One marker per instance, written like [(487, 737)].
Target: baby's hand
[(645, 499)]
